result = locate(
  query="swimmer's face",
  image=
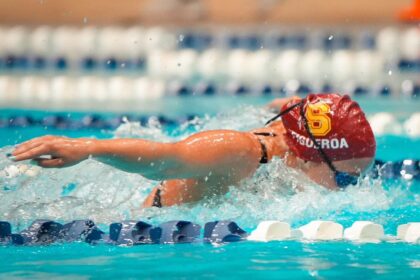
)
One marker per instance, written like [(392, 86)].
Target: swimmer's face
[(320, 173)]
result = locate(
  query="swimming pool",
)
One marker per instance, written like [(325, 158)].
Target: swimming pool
[(92, 190)]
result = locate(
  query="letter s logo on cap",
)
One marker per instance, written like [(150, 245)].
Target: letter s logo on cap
[(318, 120)]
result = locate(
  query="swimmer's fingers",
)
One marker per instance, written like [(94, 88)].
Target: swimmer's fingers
[(25, 147), (32, 153), (34, 142), (50, 163)]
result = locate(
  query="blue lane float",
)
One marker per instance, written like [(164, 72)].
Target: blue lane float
[(133, 233), (223, 231), (178, 232), (125, 233), (81, 230), (41, 232)]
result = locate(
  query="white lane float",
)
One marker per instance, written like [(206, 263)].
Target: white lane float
[(412, 125), (342, 66), (410, 43), (259, 67), (183, 64), (388, 42), (108, 43), (63, 43), (270, 231), (211, 64), (63, 89), (85, 44), (369, 67), (132, 43), (235, 64), (286, 65), (364, 231), (40, 41), (119, 88), (314, 66), (385, 123), (320, 230), (15, 41), (157, 38), (409, 232), (91, 88)]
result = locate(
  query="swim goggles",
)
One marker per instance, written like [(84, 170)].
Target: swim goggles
[(342, 179)]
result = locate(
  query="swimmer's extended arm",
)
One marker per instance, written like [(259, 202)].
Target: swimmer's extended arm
[(231, 154)]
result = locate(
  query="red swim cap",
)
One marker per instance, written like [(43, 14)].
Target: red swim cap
[(336, 122)]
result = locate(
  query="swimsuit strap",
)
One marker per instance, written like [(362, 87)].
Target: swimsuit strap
[(265, 134), (264, 153), (157, 199)]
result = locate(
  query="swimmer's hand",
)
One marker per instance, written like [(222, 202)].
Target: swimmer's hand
[(278, 103), (62, 151)]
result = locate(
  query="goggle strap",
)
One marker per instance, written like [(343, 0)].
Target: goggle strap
[(285, 111), (318, 147)]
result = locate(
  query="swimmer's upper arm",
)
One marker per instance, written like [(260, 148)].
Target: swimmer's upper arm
[(232, 154)]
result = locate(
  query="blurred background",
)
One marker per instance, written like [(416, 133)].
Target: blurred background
[(135, 55)]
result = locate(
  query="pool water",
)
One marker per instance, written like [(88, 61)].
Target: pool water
[(94, 191)]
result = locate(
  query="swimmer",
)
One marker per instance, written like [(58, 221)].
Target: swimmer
[(326, 136)]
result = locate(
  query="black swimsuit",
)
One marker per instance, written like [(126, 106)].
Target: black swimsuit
[(264, 154), (156, 199)]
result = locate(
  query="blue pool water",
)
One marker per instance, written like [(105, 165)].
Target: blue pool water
[(92, 190)]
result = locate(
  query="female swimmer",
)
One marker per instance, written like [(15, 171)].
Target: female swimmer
[(326, 136)]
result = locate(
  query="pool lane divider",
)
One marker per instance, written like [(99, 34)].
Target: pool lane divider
[(88, 121), (129, 233), (125, 233), (382, 123)]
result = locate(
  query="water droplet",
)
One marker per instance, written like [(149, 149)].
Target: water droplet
[(181, 37), (331, 37), (108, 62), (390, 72)]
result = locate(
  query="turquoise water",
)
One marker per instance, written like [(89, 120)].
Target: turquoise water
[(274, 260), (107, 195)]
